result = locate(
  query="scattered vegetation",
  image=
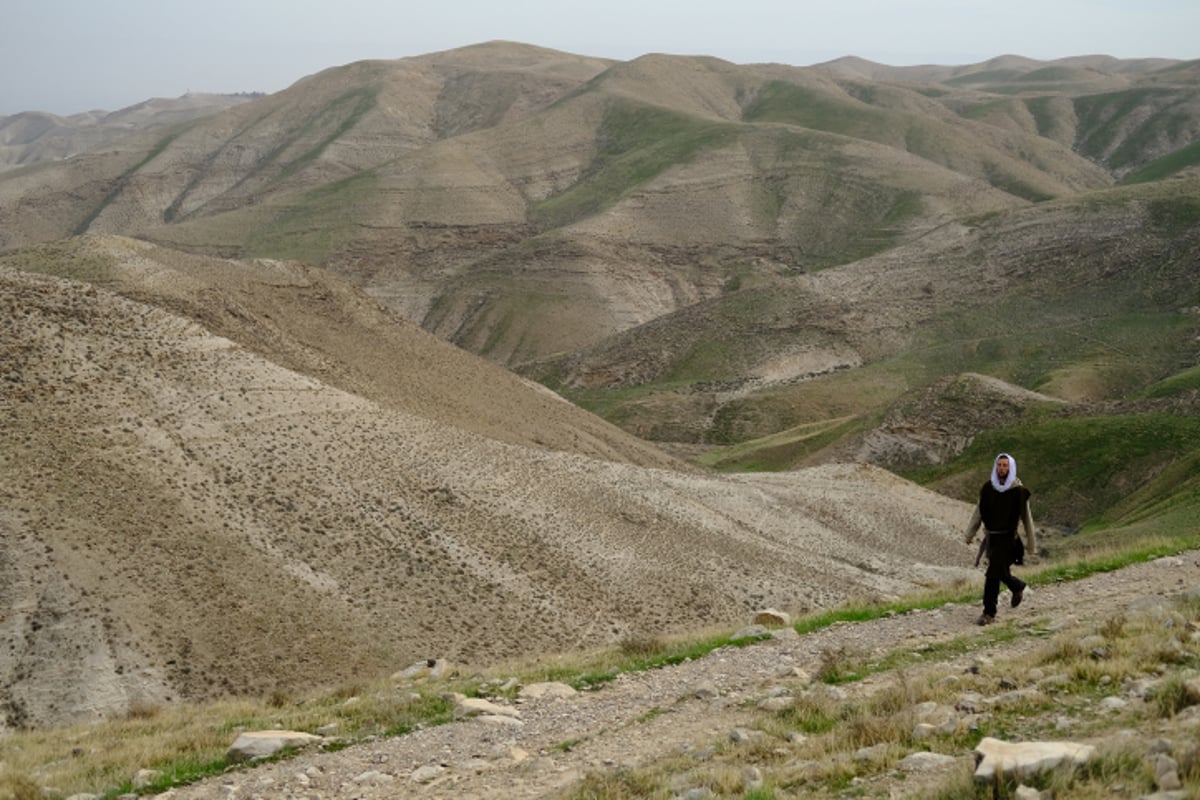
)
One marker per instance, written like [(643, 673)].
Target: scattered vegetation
[(187, 742), (1166, 166), (831, 744), (309, 231), (635, 143)]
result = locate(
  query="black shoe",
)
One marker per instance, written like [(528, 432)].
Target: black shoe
[(985, 619), (1018, 596)]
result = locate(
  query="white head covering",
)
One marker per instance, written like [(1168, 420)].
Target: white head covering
[(1011, 477)]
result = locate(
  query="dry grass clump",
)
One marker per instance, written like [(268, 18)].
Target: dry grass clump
[(621, 784), (19, 787)]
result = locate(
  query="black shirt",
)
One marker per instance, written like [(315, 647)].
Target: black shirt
[(1001, 511)]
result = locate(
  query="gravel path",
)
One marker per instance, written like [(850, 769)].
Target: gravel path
[(641, 717)]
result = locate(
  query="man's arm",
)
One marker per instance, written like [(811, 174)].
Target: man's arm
[(983, 543), (973, 525), (1030, 533)]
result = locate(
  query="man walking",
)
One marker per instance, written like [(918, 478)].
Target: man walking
[(1003, 504)]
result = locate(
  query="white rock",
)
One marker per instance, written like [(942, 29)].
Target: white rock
[(374, 777), (145, 777), (260, 744), (551, 690), (427, 773), (474, 706), (1024, 759), (774, 704), (500, 721)]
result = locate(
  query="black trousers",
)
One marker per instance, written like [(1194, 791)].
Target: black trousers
[(1000, 554)]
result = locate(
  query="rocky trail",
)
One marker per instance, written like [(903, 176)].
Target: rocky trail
[(540, 747)]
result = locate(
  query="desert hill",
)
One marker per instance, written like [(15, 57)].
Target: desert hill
[(185, 517), (309, 321), (32, 137), (523, 202)]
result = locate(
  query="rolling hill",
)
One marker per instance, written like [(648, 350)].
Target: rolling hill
[(589, 196), (322, 490), (504, 349)]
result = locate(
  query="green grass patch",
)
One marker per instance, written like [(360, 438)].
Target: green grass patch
[(1166, 166), (1101, 118), (1180, 383), (1102, 469), (1051, 74), (635, 144), (307, 142), (660, 655), (1120, 335), (1172, 216), (985, 76), (780, 101), (783, 450), (310, 227), (984, 109), (123, 180), (1047, 119)]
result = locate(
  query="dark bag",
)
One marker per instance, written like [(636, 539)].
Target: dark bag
[(1018, 550)]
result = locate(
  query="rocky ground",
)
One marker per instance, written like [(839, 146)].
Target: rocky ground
[(551, 744)]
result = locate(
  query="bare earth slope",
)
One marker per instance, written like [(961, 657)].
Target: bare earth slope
[(185, 518), (310, 321)]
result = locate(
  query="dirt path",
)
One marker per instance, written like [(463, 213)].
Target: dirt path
[(641, 717)]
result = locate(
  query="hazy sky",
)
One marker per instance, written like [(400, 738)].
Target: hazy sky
[(67, 56)]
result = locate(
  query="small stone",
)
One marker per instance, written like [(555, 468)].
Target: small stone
[(427, 773), (374, 777)]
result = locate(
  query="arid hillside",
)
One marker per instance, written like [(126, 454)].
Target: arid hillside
[(524, 202), (184, 516), (32, 137)]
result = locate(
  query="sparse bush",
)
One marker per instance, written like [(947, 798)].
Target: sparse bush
[(143, 710), (621, 784), (641, 646), (1113, 627), (19, 787), (834, 666), (1169, 697)]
